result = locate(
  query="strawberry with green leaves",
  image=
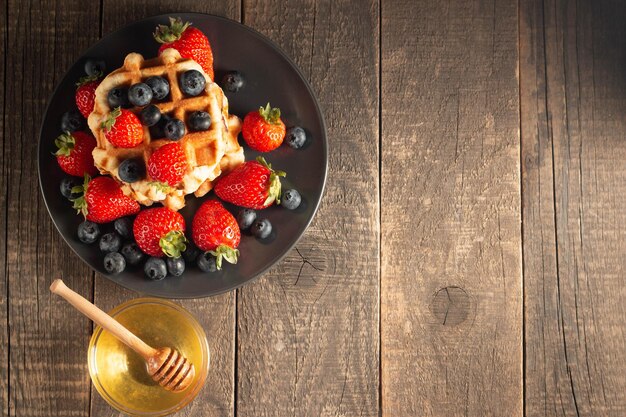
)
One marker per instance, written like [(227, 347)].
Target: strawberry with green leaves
[(74, 153), (188, 41), (253, 184), (86, 93), (216, 231), (263, 130), (103, 201), (168, 164), (122, 128), (160, 231)]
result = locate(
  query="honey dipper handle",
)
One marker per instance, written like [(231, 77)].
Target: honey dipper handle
[(102, 319)]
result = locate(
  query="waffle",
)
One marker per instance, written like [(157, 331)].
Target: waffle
[(209, 153)]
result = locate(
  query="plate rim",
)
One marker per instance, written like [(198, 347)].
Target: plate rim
[(273, 262)]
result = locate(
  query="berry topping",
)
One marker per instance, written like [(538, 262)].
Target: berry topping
[(199, 121), (168, 164), (86, 94), (123, 129), (139, 94), (132, 170), (174, 129), (103, 200), (159, 86), (118, 97), (192, 82), (150, 115)]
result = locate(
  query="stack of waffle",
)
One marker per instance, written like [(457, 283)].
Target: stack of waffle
[(209, 153)]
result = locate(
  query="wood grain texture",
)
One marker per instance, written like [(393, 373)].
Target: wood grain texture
[(48, 342), (573, 100), (308, 330), (4, 181), (451, 284), (216, 314)]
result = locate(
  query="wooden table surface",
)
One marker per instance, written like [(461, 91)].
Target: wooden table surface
[(469, 255)]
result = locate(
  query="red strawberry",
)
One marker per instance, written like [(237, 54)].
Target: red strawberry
[(160, 231), (103, 200), (253, 184), (189, 42), (263, 130), (122, 128), (86, 94), (168, 164), (215, 230), (74, 154)]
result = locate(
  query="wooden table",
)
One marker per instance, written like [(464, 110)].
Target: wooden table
[(468, 258)]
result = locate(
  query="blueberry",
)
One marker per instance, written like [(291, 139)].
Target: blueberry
[(191, 252), (88, 232), (150, 115), (174, 129), (118, 97), (155, 269), (132, 253), (158, 130), (192, 82), (175, 266), (199, 121), (291, 199), (139, 94), (295, 137), (124, 227), (67, 184), (245, 218), (114, 263), (95, 67), (206, 262), (110, 242), (261, 228), (233, 82), (159, 86), (132, 169), (72, 120)]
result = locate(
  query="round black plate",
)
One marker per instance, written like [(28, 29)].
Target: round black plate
[(270, 76)]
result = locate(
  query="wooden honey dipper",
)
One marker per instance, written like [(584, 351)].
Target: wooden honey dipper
[(166, 366)]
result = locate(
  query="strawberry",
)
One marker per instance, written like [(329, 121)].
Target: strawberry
[(253, 184), (74, 154), (168, 164), (122, 128), (103, 200), (189, 42), (160, 231), (216, 231), (263, 130), (86, 94)]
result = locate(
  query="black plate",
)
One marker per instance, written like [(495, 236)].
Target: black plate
[(270, 76)]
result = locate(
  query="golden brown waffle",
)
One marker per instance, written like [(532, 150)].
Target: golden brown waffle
[(208, 153)]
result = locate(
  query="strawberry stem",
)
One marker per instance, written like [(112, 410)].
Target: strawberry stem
[(171, 33), (88, 78), (270, 114), (173, 243), (65, 142), (80, 204), (274, 193), (111, 118), (224, 252)]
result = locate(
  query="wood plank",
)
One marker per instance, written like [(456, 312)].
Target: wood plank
[(48, 341), (573, 97), (216, 314), (4, 319), (451, 287), (308, 330)]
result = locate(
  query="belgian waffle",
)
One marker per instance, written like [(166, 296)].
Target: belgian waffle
[(209, 153)]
